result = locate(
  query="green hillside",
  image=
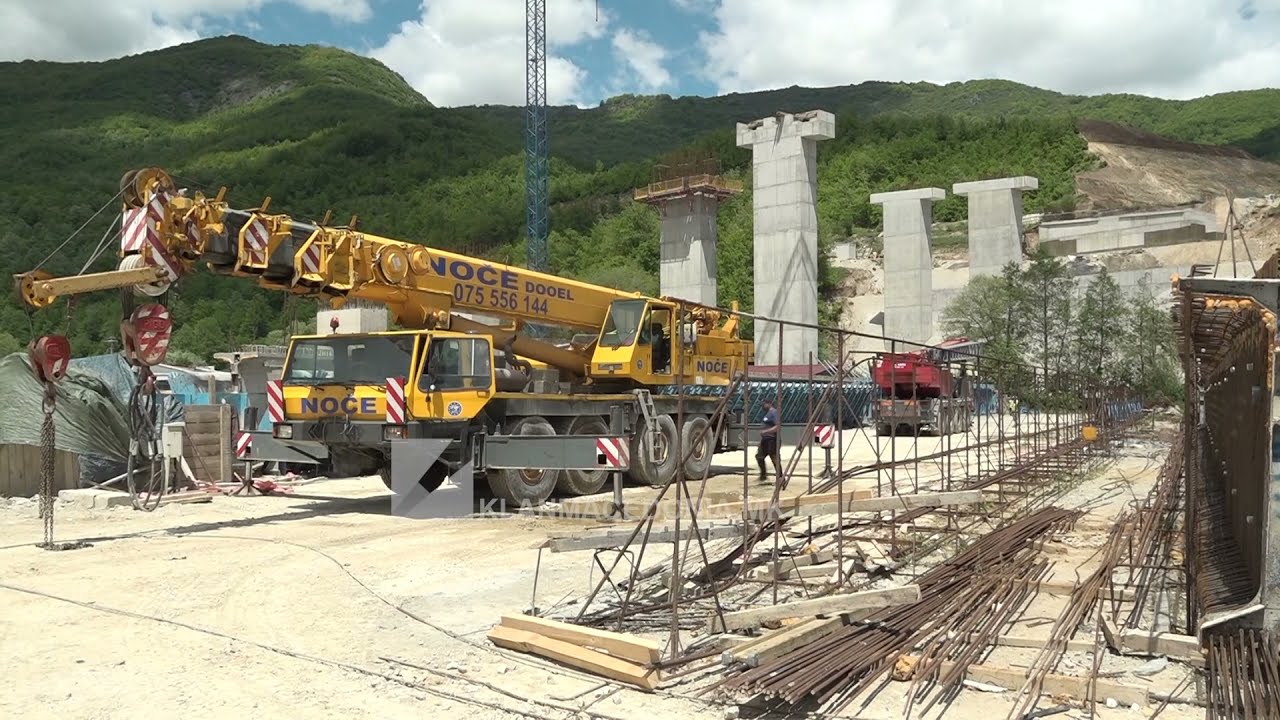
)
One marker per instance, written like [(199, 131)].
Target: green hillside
[(318, 129)]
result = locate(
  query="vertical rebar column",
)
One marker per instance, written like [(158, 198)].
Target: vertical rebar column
[(840, 451), (777, 454), (677, 581)]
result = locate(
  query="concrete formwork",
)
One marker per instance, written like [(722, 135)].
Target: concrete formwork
[(785, 215), (688, 208), (908, 262), (995, 221)]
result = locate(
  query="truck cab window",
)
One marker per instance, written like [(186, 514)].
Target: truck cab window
[(457, 364), (349, 359), (623, 323)]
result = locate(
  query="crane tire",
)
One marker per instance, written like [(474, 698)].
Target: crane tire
[(525, 487), (696, 451), (583, 482), (643, 470), (432, 479)]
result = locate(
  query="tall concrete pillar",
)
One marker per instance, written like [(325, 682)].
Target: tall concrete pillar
[(688, 208), (785, 195), (908, 262), (995, 222)]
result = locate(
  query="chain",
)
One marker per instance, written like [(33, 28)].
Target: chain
[(47, 450)]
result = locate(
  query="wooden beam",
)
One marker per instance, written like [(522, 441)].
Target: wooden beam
[(776, 644), (616, 538), (1178, 647), (574, 655), (628, 647), (780, 568), (830, 605), (785, 505), (1069, 685)]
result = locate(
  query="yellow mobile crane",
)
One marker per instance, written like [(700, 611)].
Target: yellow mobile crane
[(449, 378)]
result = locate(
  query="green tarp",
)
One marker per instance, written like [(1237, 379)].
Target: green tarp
[(89, 417)]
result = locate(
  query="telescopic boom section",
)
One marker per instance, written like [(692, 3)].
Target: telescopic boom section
[(167, 230)]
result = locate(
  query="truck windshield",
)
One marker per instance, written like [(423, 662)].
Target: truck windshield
[(348, 360), (622, 324)]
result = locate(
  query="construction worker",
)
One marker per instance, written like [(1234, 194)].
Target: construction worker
[(769, 425)]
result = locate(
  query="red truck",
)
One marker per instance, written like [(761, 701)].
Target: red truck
[(920, 394)]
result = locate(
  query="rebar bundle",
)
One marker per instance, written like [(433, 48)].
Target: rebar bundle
[(965, 602)]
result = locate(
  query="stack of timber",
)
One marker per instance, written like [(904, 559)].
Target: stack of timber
[(206, 443), (617, 656)]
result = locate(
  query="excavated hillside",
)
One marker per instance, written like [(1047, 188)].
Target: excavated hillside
[(1142, 170)]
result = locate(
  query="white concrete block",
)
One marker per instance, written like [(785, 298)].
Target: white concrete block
[(930, 193), (94, 498), (1022, 182)]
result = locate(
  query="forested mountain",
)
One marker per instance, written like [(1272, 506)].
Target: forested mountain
[(317, 128)]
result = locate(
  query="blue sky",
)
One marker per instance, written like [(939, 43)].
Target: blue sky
[(459, 52)]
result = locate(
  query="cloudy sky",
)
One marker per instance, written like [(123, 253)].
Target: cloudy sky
[(461, 52)]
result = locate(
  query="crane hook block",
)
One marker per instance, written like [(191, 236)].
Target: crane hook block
[(146, 334), (50, 355)]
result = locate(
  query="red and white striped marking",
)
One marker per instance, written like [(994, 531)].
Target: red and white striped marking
[(256, 237), (153, 326), (133, 230), (311, 258), (275, 401), (824, 434), (613, 453), (244, 445), (395, 401)]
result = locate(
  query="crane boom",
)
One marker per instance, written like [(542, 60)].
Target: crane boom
[(166, 232), (446, 377)]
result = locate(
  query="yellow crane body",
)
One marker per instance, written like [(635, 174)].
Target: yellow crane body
[(449, 376)]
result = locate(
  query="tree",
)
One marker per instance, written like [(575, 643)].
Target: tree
[(1102, 329), (1046, 287), (1151, 356), (8, 344)]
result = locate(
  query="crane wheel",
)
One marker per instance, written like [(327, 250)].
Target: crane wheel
[(645, 471), (583, 482), (433, 478), (697, 446), (528, 486)]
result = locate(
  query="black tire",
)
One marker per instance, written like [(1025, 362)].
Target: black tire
[(697, 446), (432, 479), (583, 482), (643, 470), (525, 487)]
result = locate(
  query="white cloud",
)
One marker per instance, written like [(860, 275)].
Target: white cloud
[(68, 30), (465, 52), (643, 58), (1167, 48)]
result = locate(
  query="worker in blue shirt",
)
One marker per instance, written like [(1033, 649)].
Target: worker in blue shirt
[(768, 441)]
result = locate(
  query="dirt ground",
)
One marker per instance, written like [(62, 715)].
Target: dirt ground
[(285, 607)]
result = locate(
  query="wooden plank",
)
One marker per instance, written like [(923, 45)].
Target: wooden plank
[(776, 644), (628, 647), (616, 538), (874, 557), (829, 605), (787, 504), (579, 657), (780, 568), (892, 502), (1143, 642), (1069, 685)]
